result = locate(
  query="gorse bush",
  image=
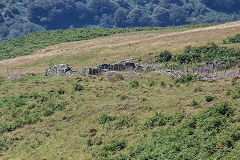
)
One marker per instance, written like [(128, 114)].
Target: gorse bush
[(207, 135)]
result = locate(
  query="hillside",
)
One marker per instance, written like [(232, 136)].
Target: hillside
[(122, 115), (20, 17)]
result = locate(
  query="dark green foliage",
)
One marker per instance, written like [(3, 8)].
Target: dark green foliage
[(123, 122), (61, 91), (151, 83), (89, 142), (16, 111), (134, 84), (222, 5), (209, 98), (163, 119), (207, 53), (165, 56), (19, 18), (236, 92), (1, 81), (194, 103), (78, 87), (185, 78), (232, 39), (115, 145), (3, 145), (208, 135), (104, 118), (162, 83)]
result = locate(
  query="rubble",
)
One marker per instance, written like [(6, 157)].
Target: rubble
[(60, 69), (17, 76)]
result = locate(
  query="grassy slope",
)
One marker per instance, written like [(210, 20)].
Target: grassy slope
[(116, 47), (65, 133)]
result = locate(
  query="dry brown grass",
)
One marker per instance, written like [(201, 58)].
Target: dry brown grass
[(117, 47)]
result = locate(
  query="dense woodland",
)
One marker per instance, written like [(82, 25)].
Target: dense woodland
[(20, 17)]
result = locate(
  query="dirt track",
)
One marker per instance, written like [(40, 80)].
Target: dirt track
[(89, 44)]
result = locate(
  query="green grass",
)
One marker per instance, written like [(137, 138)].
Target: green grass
[(108, 119), (29, 44)]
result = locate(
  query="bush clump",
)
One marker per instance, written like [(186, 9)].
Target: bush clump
[(209, 98), (185, 78), (162, 119), (165, 56), (78, 87), (115, 145), (104, 118), (151, 83), (207, 53)]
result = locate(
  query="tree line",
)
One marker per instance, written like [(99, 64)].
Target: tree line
[(20, 17)]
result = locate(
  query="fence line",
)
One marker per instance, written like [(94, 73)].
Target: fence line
[(11, 72), (205, 69)]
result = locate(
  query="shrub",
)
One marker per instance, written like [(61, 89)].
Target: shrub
[(1, 81), (151, 83), (61, 91), (78, 87), (115, 145), (123, 121), (163, 119), (89, 142), (208, 53), (3, 145), (104, 118), (185, 78), (48, 112), (194, 103), (232, 39), (162, 83), (209, 98), (165, 56), (134, 84)]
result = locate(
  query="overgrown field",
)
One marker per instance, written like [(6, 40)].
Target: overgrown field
[(119, 116)]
